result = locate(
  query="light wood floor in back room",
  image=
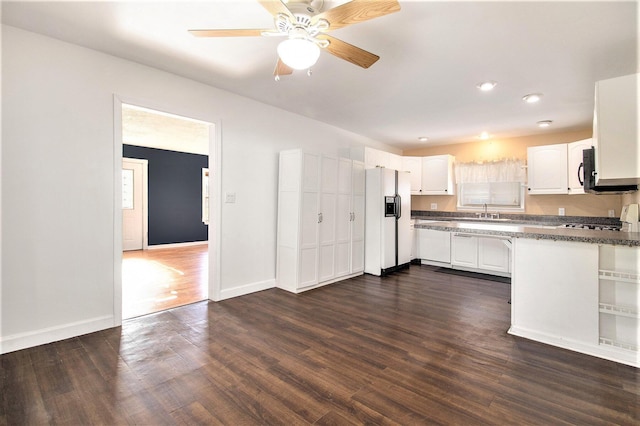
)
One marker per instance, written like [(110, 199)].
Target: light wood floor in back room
[(418, 347), (159, 279)]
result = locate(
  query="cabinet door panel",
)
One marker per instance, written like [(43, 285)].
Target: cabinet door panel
[(434, 245), (326, 267), (308, 267), (311, 172), (493, 255), (309, 231), (342, 258), (413, 165), (547, 169), (344, 176), (464, 251), (437, 175), (328, 222), (358, 217), (357, 256)]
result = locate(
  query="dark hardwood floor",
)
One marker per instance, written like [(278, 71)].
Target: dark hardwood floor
[(417, 347)]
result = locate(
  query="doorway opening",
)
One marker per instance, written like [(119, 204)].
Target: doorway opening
[(165, 235)]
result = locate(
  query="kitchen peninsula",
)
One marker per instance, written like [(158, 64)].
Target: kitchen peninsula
[(573, 288)]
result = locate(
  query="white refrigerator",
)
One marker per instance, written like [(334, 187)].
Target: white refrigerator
[(387, 221)]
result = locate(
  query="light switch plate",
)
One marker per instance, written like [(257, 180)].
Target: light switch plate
[(229, 197), (561, 211)]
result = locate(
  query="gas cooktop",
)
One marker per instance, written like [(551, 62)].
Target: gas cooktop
[(595, 227)]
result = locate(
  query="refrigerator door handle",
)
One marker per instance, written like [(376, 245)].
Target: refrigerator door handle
[(398, 207)]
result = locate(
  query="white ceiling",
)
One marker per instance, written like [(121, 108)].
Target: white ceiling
[(432, 56), (155, 129)]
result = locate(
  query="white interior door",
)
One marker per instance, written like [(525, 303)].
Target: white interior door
[(134, 200)]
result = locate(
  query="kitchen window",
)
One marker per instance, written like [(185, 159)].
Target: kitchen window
[(496, 195), (498, 185)]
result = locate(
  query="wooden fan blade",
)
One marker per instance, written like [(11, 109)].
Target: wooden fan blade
[(357, 11), (275, 6), (228, 33), (349, 52), (282, 68)]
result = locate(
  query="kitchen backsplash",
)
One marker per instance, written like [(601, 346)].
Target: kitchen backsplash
[(574, 205)]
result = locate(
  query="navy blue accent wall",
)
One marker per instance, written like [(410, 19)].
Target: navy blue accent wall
[(175, 194)]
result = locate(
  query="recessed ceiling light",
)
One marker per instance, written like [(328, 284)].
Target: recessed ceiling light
[(484, 136), (486, 86), (532, 98), (423, 138), (544, 123)]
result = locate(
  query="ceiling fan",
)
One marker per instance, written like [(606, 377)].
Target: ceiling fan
[(304, 25)]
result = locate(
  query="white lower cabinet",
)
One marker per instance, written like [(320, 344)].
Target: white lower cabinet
[(494, 254), (491, 255), (578, 296), (464, 250), (434, 247), (554, 292)]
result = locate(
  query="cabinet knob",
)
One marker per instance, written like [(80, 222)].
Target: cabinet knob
[(529, 189)]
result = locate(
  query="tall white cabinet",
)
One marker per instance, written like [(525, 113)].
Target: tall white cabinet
[(350, 218), (320, 220)]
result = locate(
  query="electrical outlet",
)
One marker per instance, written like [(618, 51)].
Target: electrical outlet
[(612, 213), (230, 197), (561, 211), (434, 206)]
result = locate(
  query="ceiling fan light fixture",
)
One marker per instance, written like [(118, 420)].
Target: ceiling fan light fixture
[(544, 123), (423, 139), (298, 53)]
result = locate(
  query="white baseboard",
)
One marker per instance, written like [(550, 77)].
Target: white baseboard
[(622, 356), (30, 339), (323, 283), (246, 289), (176, 245)]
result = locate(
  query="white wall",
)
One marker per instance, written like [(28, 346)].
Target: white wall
[(58, 181)]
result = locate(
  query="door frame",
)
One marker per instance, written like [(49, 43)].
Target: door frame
[(145, 198), (215, 189)]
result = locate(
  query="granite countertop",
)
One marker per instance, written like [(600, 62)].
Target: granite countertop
[(530, 230)]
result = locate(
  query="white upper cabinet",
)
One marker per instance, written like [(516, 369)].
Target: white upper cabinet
[(437, 175), (616, 132), (413, 165), (371, 157), (575, 168), (395, 162), (547, 169)]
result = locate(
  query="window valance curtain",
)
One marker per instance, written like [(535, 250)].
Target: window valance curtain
[(493, 171)]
